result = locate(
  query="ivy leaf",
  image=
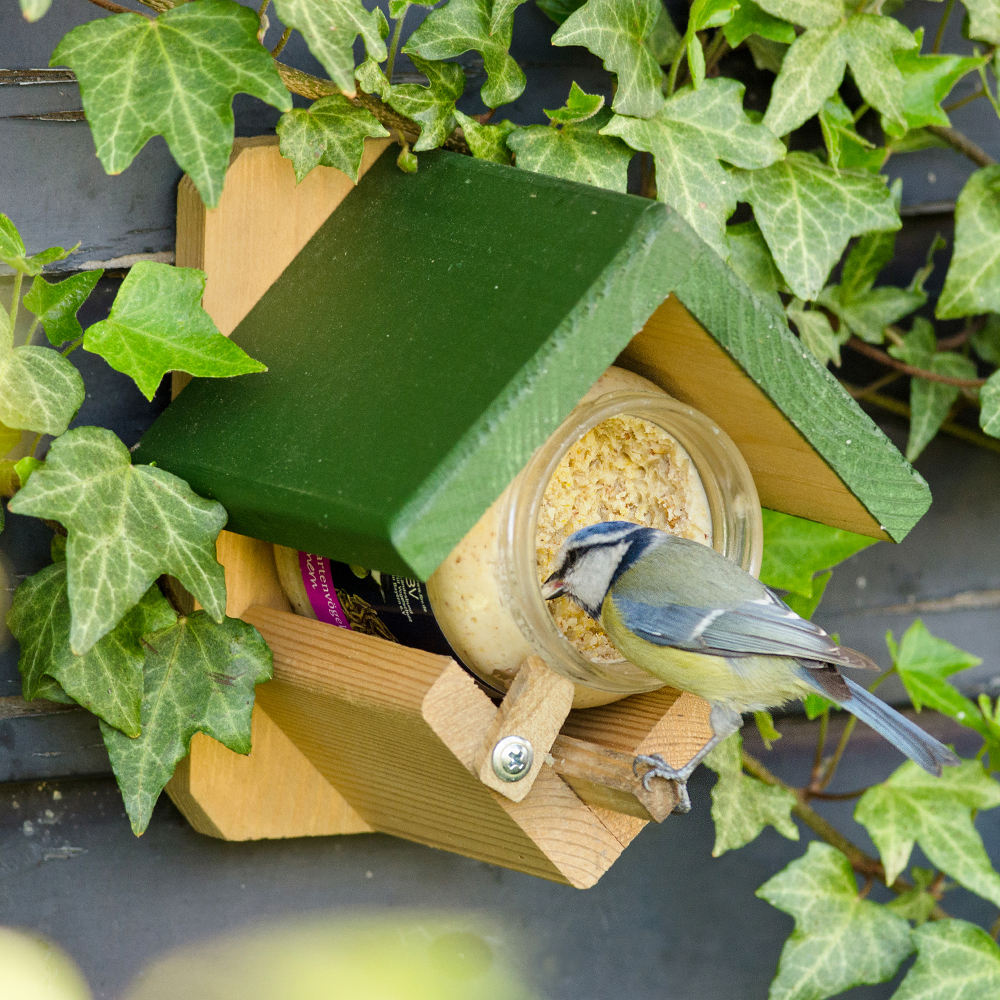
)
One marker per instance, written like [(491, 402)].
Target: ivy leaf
[(808, 211), (956, 960), (107, 680), (461, 25), (576, 151), (331, 133), (840, 940), (694, 130), (808, 13), (35, 10), (837, 124), (502, 14), (972, 285), (927, 81), (127, 525), (199, 678), (559, 10), (815, 705), (989, 401), (796, 549), (175, 76), (433, 107), (10, 437), (704, 14), (986, 340), (56, 305), (806, 606), (329, 28), (984, 20), (924, 663), (664, 40), (916, 904), (487, 142), (751, 19), (25, 467), (816, 333), (814, 68), (615, 30), (912, 806), (579, 107), (39, 389), (767, 54), (741, 805), (750, 257), (13, 252), (371, 79), (157, 325)]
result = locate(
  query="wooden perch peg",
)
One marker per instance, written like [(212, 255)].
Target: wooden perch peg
[(523, 730)]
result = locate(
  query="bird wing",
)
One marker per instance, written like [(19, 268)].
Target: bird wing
[(753, 628)]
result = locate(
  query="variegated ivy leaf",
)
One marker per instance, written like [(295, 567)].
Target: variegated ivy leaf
[(742, 805), (927, 81), (56, 305), (973, 282), (840, 940), (808, 13), (751, 19), (157, 325), (615, 31), (371, 79), (912, 806), (433, 106), (331, 133), (463, 25), (751, 259), (808, 212), (984, 20), (989, 401), (127, 525), (502, 14), (814, 68), (579, 107), (199, 678), (487, 142), (329, 28), (956, 960), (576, 151), (35, 10), (175, 76), (816, 333), (107, 680), (39, 389), (694, 130), (837, 124)]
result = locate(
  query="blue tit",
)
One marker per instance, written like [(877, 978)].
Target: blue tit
[(700, 623)]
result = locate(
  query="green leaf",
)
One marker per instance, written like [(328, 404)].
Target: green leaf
[(837, 124), (912, 806), (765, 726), (816, 333), (56, 305), (25, 467), (407, 160), (559, 10), (35, 10), (973, 282), (927, 81), (796, 549), (50, 690), (986, 340), (767, 54), (914, 141), (814, 68), (871, 253), (741, 805), (751, 259), (989, 402), (704, 14), (331, 133), (694, 130), (199, 678), (806, 606), (808, 13), (869, 313), (579, 107), (487, 142), (501, 14), (840, 940), (815, 705), (577, 152), (107, 680), (175, 76), (329, 28), (127, 525), (984, 20), (615, 30), (157, 325), (371, 79), (461, 25), (664, 40), (13, 253), (916, 904), (751, 19), (10, 437), (808, 211), (955, 961), (433, 106)]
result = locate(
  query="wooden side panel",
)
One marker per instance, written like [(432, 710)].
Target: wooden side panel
[(675, 351)]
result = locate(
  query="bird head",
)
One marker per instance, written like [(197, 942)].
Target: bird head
[(592, 558)]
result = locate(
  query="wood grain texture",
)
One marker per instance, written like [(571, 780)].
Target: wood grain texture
[(535, 708), (397, 730)]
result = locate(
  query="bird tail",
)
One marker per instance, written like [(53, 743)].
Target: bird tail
[(906, 736)]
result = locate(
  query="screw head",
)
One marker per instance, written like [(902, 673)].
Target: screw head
[(512, 758)]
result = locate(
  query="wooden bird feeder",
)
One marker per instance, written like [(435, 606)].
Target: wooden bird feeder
[(424, 334)]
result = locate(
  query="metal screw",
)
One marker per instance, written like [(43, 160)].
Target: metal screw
[(512, 758)]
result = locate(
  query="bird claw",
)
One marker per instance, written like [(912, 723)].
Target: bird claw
[(659, 768)]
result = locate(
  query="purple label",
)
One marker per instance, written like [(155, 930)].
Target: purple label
[(318, 582)]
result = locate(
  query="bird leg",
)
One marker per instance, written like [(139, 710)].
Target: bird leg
[(724, 722)]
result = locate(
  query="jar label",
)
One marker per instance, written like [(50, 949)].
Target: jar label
[(390, 607)]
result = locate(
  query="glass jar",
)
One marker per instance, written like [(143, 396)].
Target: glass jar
[(486, 597)]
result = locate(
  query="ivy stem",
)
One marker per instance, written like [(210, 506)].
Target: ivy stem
[(861, 112), (675, 66), (72, 347), (995, 929), (263, 8), (16, 298), (116, 8), (831, 767), (35, 443), (31, 330), (716, 50), (282, 42), (839, 796), (857, 344), (939, 37), (394, 45), (965, 146), (955, 105), (824, 722)]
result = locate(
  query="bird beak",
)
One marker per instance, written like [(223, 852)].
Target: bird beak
[(553, 587)]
